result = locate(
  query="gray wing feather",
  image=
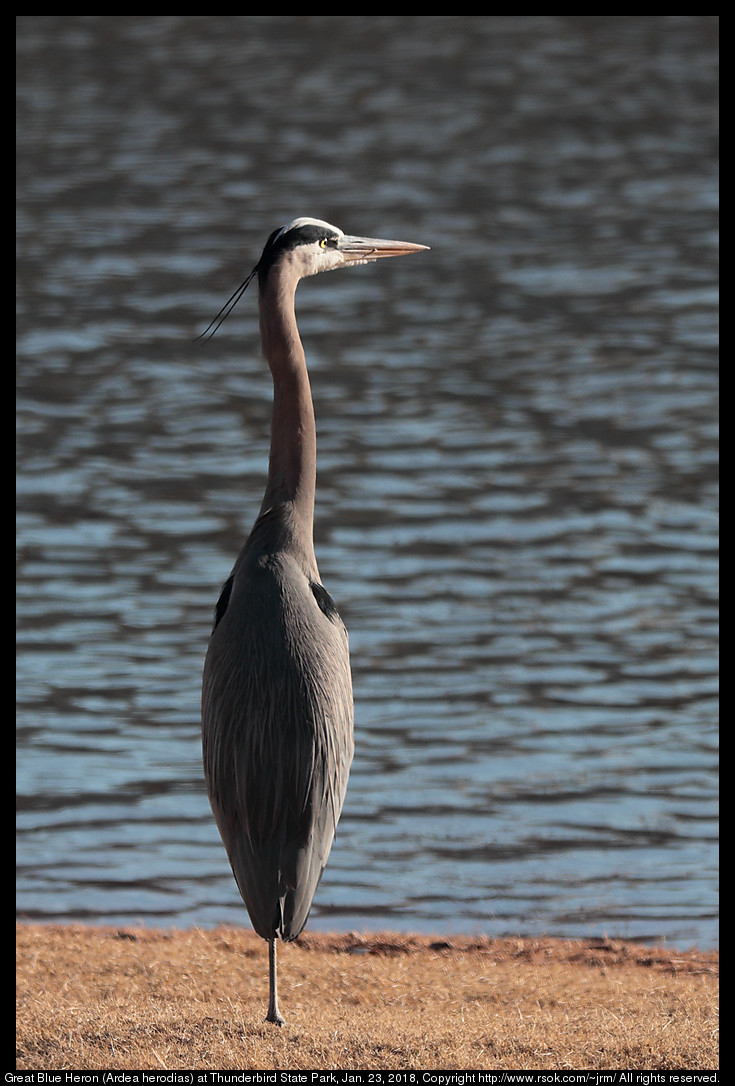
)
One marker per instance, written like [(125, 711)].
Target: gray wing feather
[(277, 729)]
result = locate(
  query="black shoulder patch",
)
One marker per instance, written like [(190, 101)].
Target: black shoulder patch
[(324, 600), (224, 599)]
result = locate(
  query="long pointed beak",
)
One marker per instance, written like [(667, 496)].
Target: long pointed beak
[(361, 250)]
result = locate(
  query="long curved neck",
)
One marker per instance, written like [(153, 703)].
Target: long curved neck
[(292, 463)]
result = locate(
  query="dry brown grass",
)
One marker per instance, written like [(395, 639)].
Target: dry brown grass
[(135, 999)]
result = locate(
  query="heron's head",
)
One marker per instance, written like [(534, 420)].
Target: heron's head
[(311, 246)]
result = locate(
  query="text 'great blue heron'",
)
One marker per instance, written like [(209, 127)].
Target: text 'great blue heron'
[(277, 709)]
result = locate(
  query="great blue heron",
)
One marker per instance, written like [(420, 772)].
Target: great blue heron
[(277, 691)]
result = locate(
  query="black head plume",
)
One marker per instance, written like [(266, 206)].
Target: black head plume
[(227, 308), (274, 245)]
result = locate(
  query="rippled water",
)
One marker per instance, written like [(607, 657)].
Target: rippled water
[(517, 494)]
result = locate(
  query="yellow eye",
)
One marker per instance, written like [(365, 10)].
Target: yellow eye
[(323, 243)]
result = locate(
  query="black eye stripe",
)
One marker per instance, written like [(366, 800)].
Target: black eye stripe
[(300, 235), (306, 235)]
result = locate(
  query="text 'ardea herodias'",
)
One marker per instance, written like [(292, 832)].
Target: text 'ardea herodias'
[(277, 691)]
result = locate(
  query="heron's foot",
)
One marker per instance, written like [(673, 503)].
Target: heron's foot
[(275, 1016)]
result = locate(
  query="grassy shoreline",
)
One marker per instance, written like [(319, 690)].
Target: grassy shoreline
[(143, 999)]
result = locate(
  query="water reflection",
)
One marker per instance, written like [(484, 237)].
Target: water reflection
[(517, 454)]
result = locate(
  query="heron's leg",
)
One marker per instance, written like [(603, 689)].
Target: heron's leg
[(273, 1015)]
